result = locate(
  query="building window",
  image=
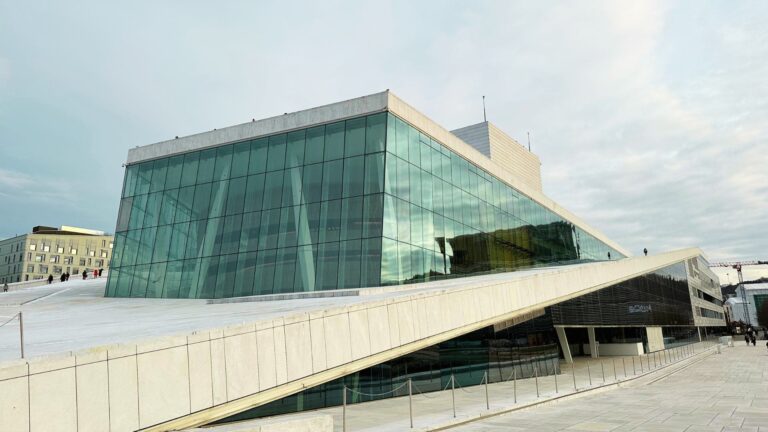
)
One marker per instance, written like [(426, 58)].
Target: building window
[(99, 263), (103, 254), (82, 261), (40, 258), (30, 269), (60, 249), (69, 260), (111, 245), (56, 270), (43, 268), (73, 251), (33, 247), (92, 253), (46, 248)]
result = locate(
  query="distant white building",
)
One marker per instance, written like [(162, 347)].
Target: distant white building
[(755, 295)]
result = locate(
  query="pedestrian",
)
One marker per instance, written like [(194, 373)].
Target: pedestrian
[(101, 270), (66, 276), (85, 274), (645, 251), (5, 287), (95, 273), (754, 340), (50, 279), (62, 278), (746, 338), (609, 256)]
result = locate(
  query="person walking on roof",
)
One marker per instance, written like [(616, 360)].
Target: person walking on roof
[(85, 274), (5, 287), (50, 279), (95, 273), (62, 278), (645, 251)]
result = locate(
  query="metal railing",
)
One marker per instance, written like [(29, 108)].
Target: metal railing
[(21, 329), (582, 379)]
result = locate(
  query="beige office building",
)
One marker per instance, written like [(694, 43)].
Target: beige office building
[(53, 251)]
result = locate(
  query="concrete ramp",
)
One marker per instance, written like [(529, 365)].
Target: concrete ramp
[(189, 379)]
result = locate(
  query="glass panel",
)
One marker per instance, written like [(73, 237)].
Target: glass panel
[(249, 236), (265, 272), (156, 280), (315, 146), (273, 190), (124, 215), (295, 149), (334, 141), (270, 228), (223, 165), (140, 278), (152, 211), (202, 203), (183, 206), (304, 279), (354, 169), (330, 221), (162, 243), (276, 157), (254, 193), (291, 187), (370, 269), (373, 211), (354, 138), (137, 211), (240, 159), (374, 132), (351, 218), (168, 206), (219, 191), (158, 175), (332, 179), (313, 183), (349, 264), (284, 270), (258, 160), (206, 282), (225, 282), (246, 272), (195, 239), (374, 173), (189, 276), (236, 195), (289, 220), (131, 173), (327, 266), (189, 172), (207, 163), (172, 283), (231, 236), (144, 177), (178, 241)]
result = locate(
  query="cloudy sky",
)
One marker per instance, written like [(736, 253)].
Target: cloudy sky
[(651, 119)]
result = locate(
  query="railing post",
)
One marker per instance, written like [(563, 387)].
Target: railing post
[(344, 409), (410, 400), (624, 363), (514, 382), (487, 401), (453, 394), (21, 334), (556, 389), (634, 370), (589, 374), (573, 374), (602, 369), (614, 371), (536, 373)]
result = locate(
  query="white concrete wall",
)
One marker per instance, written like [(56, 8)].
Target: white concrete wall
[(618, 349), (210, 374), (655, 339)]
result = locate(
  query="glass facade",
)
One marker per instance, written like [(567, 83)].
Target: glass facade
[(659, 298), (514, 350), (367, 201)]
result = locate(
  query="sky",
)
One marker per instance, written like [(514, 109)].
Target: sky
[(650, 118)]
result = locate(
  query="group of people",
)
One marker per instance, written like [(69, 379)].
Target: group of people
[(65, 276), (751, 336)]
